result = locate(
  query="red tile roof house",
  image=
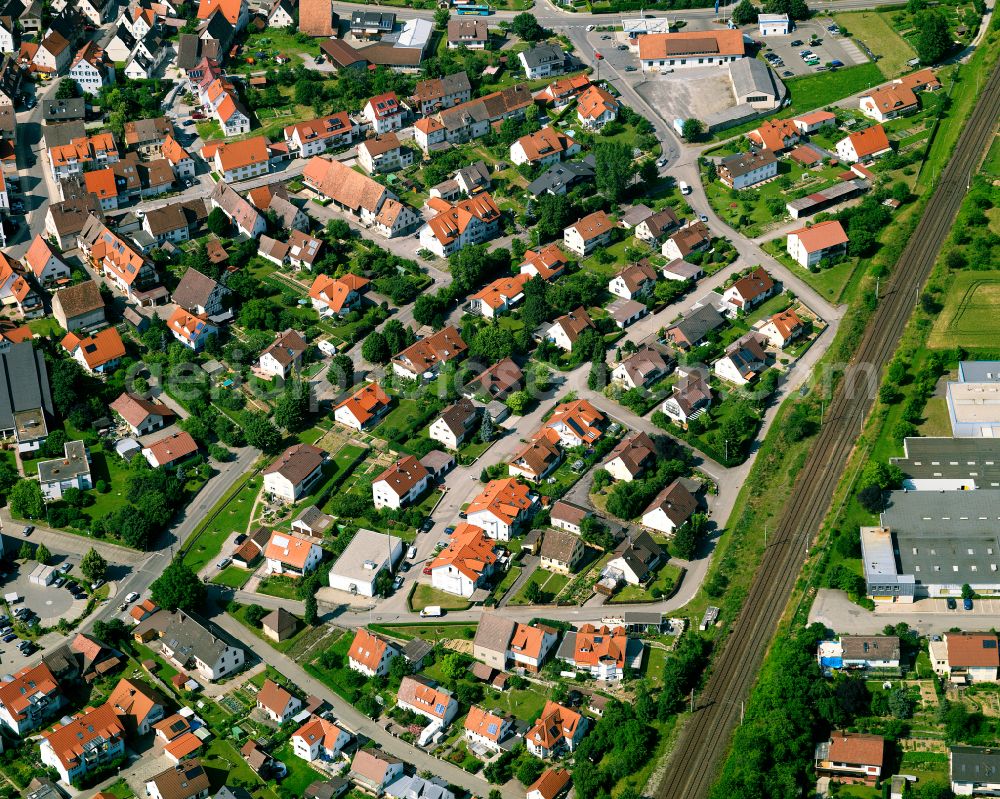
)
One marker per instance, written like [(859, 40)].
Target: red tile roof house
[(401, 484), (277, 703), (87, 742), (749, 291), (468, 560), (864, 146), (290, 555), (810, 245), (44, 263), (423, 359), (294, 472), (384, 112), (578, 423), (552, 784), (337, 296), (851, 757), (565, 330), (557, 729), (425, 699), (142, 416), (372, 770), (191, 330), (589, 233), (486, 730), (370, 654), (30, 699), (467, 222), (170, 451), (364, 408), (319, 739), (283, 355), (502, 507), (783, 328), (98, 353)]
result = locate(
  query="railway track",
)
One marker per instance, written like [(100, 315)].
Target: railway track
[(703, 743)]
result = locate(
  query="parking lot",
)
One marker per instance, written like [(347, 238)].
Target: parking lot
[(829, 48)]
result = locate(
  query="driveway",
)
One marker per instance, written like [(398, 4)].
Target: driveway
[(834, 609)]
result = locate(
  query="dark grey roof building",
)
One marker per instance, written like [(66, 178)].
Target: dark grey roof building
[(949, 463), (25, 397), (65, 110), (560, 178)]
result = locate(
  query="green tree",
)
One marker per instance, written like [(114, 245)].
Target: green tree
[(430, 309), (66, 89), (311, 610), (375, 349), (525, 27), (614, 169), (260, 432), (967, 592), (535, 308), (254, 614), (441, 17), (26, 552), (553, 212), (218, 222), (486, 429), (533, 592), (178, 588), (518, 402), (341, 371), (529, 769), (453, 666), (745, 13), (492, 343), (933, 37), (692, 129), (93, 566), (292, 408), (26, 500), (688, 537), (42, 554), (383, 583), (901, 704)]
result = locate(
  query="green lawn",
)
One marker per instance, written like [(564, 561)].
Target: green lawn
[(550, 584), (969, 317), (423, 595), (232, 577), (233, 517), (508, 580), (874, 30), (656, 659), (300, 774), (823, 88), (47, 327), (163, 670), (664, 582), (430, 631), (937, 420), (525, 705), (829, 283), (404, 416), (280, 586), (223, 763), (238, 612)]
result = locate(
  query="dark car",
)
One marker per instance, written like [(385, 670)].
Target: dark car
[(797, 43), (630, 68), (8, 638), (28, 530), (967, 604), (240, 539), (449, 530), (428, 523), (952, 604), (836, 63)]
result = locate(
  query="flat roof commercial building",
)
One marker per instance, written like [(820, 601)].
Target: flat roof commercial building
[(933, 543), (974, 400), (359, 565), (949, 464)]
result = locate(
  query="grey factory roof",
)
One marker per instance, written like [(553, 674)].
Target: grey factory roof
[(952, 459), (830, 195), (979, 372), (751, 75), (63, 133), (942, 513), (975, 764), (24, 383)]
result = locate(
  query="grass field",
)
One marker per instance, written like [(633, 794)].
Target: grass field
[(232, 577), (992, 163), (234, 517), (424, 595), (875, 31), (969, 317), (430, 632), (550, 584)]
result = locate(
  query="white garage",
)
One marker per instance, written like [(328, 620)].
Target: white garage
[(774, 24)]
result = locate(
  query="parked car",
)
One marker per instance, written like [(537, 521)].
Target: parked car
[(836, 63), (952, 604), (797, 43), (132, 596), (28, 530), (411, 553), (967, 604), (404, 566), (8, 638), (427, 524), (59, 582), (223, 563), (427, 569), (630, 68), (449, 530), (95, 585), (397, 583), (6, 630), (30, 649), (240, 539), (65, 567)]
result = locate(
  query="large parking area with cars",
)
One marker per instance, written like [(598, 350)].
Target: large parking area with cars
[(811, 47)]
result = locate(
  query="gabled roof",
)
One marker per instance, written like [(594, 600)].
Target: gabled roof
[(30, 683), (368, 649), (485, 724), (319, 729), (239, 154), (552, 783), (99, 724), (172, 448), (343, 185), (821, 236), (574, 323), (554, 725), (753, 285), (502, 290), (444, 346), (870, 141), (676, 502), (366, 402), (856, 748), (506, 499), (38, 255), (97, 349), (271, 695), (581, 417), (194, 289), (297, 462), (403, 475), (420, 693), (135, 410), (134, 700), (593, 225), (548, 261), (973, 650), (543, 143), (559, 545), (286, 348), (183, 781), (187, 325), (452, 220), (634, 451), (336, 291), (595, 102), (469, 550), (288, 549)]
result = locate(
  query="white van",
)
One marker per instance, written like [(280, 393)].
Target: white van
[(685, 189), (431, 611)]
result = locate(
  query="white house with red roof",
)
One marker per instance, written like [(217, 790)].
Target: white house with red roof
[(578, 423), (499, 297), (294, 472), (141, 415), (557, 729), (277, 703), (423, 698), (290, 555), (502, 507), (316, 136), (811, 244), (749, 291), (44, 264), (466, 563), (401, 484), (864, 145), (336, 296), (319, 739), (191, 330), (384, 113), (98, 353), (89, 741), (485, 729), (363, 408), (29, 699), (370, 654), (454, 226)]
